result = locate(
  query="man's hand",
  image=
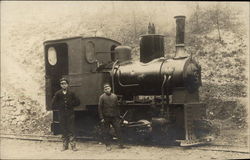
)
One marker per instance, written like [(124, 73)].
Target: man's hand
[(102, 120)]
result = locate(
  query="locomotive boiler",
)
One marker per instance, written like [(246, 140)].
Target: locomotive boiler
[(162, 91)]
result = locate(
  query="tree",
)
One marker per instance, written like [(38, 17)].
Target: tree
[(206, 18), (217, 13)]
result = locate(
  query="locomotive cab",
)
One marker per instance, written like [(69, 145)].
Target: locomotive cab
[(78, 59)]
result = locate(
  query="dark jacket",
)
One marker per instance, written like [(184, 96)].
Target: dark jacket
[(108, 106), (63, 102)]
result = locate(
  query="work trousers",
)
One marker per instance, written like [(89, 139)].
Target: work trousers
[(67, 121), (115, 122)]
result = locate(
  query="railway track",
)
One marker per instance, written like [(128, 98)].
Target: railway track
[(31, 137), (53, 138)]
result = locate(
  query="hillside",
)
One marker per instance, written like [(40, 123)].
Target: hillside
[(224, 75)]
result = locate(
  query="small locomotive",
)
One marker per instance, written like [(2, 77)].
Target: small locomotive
[(162, 91)]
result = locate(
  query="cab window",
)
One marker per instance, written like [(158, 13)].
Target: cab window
[(90, 52), (52, 56)]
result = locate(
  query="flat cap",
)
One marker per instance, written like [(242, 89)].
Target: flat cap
[(64, 79), (106, 85)]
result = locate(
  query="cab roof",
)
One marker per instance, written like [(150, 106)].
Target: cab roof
[(77, 37)]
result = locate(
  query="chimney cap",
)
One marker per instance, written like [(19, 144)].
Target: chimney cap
[(180, 17), (180, 45), (155, 35)]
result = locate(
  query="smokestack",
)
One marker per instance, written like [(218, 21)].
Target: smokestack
[(180, 37)]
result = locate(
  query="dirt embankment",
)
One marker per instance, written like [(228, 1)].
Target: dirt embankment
[(23, 116)]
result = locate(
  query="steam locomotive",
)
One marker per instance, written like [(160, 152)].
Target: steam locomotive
[(161, 91)]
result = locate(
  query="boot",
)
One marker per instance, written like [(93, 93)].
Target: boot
[(108, 147), (72, 143), (65, 146), (121, 146), (73, 147), (65, 141)]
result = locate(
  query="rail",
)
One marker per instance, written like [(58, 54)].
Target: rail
[(32, 137), (53, 138)]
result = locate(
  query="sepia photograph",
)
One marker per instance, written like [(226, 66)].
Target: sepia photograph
[(125, 80)]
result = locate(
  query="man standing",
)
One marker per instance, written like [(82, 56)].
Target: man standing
[(65, 101), (109, 114)]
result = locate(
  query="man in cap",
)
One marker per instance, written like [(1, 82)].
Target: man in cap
[(65, 101), (109, 114)]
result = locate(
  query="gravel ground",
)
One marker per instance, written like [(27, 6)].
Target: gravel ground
[(23, 149)]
